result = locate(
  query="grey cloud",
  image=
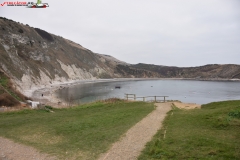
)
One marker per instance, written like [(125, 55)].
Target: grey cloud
[(175, 33)]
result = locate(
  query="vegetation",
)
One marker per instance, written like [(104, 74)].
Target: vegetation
[(44, 34), (8, 96), (81, 132), (7, 100), (103, 75), (3, 80), (212, 132), (207, 71), (20, 30)]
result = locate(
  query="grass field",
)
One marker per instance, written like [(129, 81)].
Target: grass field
[(75, 133), (212, 132)]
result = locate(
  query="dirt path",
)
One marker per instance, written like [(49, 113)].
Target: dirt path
[(187, 105), (130, 146), (10, 150)]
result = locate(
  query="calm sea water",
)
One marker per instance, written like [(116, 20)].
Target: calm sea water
[(191, 91)]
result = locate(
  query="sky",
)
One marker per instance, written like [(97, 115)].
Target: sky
[(180, 33)]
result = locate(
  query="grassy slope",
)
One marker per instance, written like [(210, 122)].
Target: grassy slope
[(78, 133), (7, 85), (198, 134)]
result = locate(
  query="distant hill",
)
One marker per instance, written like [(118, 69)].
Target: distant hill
[(211, 71), (32, 57)]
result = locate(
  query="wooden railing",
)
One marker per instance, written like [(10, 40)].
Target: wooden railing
[(133, 96)]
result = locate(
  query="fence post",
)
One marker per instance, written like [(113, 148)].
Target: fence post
[(155, 98), (134, 97), (164, 99), (143, 99)]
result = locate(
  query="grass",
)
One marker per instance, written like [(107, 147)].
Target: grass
[(212, 132), (4, 81), (7, 85), (81, 132)]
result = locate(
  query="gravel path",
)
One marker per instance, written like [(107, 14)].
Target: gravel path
[(130, 146), (10, 150)]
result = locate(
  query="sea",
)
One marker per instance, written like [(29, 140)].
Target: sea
[(188, 91)]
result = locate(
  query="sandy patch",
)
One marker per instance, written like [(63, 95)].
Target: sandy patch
[(186, 105)]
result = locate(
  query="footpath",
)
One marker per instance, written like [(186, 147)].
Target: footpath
[(133, 142)]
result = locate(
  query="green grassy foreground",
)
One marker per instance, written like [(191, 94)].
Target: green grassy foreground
[(212, 132), (75, 133)]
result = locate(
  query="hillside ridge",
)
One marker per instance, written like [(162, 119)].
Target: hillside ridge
[(34, 58)]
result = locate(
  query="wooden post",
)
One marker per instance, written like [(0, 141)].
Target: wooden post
[(155, 98), (143, 99), (164, 99), (134, 97)]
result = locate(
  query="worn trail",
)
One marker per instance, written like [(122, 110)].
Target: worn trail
[(133, 142), (10, 150)]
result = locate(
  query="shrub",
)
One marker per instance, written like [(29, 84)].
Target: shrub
[(48, 107), (20, 30)]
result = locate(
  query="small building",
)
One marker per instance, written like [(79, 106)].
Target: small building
[(33, 104)]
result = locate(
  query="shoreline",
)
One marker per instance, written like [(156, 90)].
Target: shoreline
[(48, 90)]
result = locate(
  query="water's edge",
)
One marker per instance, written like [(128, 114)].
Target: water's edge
[(193, 89)]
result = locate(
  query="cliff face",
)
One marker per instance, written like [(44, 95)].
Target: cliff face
[(32, 57)]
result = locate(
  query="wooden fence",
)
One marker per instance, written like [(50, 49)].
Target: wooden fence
[(133, 97)]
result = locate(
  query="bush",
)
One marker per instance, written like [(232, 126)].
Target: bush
[(48, 107), (20, 31)]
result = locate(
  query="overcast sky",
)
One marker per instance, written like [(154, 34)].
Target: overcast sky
[(161, 32)]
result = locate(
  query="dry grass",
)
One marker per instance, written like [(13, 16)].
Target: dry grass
[(186, 105), (9, 96), (7, 100), (112, 100)]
